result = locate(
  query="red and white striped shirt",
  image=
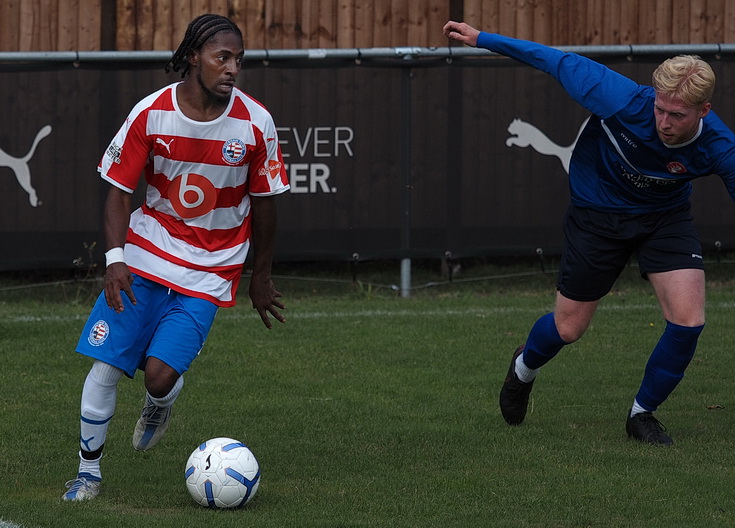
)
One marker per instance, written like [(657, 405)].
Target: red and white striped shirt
[(192, 234)]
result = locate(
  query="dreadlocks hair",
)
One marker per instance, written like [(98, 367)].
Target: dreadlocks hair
[(200, 30)]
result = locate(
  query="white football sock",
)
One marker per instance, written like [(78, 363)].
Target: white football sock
[(90, 468), (637, 409), (99, 397), (525, 374)]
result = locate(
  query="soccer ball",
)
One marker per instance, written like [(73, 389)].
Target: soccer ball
[(222, 473)]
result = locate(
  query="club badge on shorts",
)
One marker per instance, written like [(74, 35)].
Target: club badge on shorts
[(99, 332)]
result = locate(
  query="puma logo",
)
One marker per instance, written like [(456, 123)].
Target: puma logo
[(86, 442), (20, 166), (525, 134), (159, 141)]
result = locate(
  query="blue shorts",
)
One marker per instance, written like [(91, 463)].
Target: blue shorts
[(598, 246), (163, 324)]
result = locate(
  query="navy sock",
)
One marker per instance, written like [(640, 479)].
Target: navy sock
[(666, 366), (543, 342)]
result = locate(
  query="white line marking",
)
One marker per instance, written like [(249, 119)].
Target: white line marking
[(401, 312)]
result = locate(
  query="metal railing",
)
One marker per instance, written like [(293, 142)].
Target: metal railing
[(357, 54)]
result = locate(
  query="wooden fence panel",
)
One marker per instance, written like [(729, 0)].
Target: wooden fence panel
[(125, 25), (418, 26), (542, 16), (90, 26), (611, 22), (48, 25), (595, 21), (524, 19), (163, 25), (506, 17), (364, 23), (698, 21), (66, 35), (25, 38), (289, 17), (560, 33), (9, 25), (578, 21), (473, 10), (63, 25), (628, 22), (327, 24), (663, 21), (715, 20), (399, 23), (345, 18), (382, 17), (144, 24), (647, 24), (729, 26)]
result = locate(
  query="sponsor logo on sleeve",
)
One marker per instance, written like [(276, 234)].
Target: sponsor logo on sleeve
[(273, 170), (114, 152)]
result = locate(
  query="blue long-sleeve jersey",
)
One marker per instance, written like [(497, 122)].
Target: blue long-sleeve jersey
[(619, 164)]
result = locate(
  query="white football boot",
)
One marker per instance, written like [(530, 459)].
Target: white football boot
[(82, 488), (151, 425)]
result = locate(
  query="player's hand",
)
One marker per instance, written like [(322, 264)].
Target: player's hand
[(264, 297), (118, 278), (461, 32)]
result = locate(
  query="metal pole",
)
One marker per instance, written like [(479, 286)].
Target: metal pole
[(406, 166)]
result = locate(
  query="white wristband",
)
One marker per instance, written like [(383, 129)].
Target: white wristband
[(114, 255)]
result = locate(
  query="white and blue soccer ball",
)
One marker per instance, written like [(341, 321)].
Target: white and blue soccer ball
[(222, 473)]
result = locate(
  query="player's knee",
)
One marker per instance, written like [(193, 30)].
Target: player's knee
[(160, 378), (159, 383), (570, 332), (159, 387)]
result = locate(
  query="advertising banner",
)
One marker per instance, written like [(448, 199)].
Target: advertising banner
[(386, 158)]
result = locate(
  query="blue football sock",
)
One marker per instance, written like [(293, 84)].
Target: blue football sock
[(666, 366), (543, 342)]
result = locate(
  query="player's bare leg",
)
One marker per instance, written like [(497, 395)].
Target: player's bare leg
[(163, 385)]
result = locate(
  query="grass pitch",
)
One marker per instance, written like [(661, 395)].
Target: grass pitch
[(366, 409)]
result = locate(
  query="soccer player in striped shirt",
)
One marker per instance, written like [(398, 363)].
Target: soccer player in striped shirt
[(213, 168)]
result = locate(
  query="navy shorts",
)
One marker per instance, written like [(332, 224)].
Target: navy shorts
[(164, 324), (599, 245)]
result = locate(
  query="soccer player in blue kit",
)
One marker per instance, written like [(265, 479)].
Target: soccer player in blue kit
[(629, 179)]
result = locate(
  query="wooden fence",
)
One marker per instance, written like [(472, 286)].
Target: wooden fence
[(88, 25)]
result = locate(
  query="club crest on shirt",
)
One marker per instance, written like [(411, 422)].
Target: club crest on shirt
[(99, 332), (676, 168), (233, 151)]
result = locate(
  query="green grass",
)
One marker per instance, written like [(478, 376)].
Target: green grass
[(366, 409)]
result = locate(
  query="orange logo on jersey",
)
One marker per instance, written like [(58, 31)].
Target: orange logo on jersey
[(273, 170), (192, 195)]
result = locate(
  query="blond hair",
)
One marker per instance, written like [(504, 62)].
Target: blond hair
[(686, 77)]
